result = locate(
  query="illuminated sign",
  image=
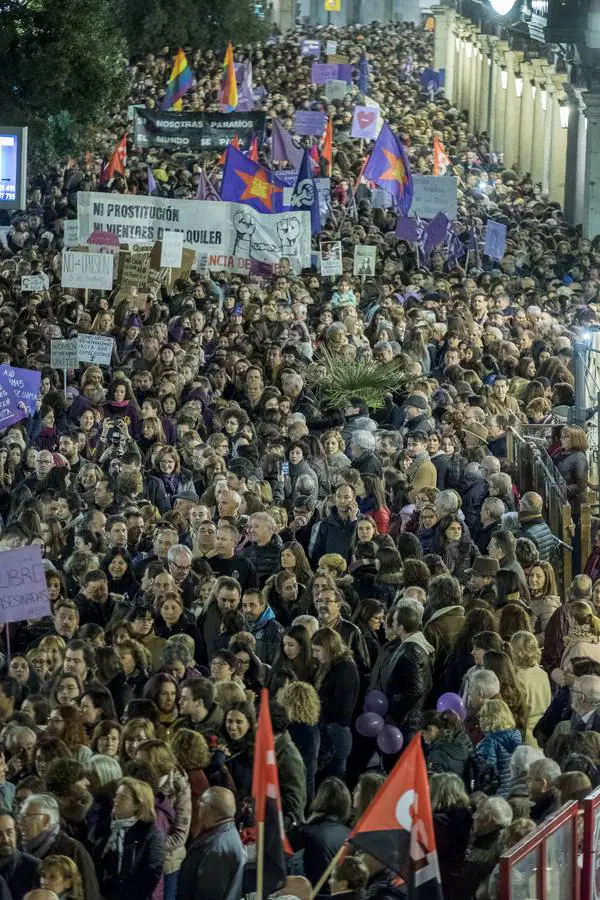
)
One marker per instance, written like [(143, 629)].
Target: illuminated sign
[(503, 7), (13, 168)]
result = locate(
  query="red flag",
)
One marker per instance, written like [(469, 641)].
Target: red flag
[(316, 159), (441, 160), (253, 149), (117, 162), (234, 143), (267, 801), (397, 827), (327, 147)]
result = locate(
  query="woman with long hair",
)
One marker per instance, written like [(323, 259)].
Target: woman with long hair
[(532, 678), (293, 558), (455, 547), (369, 617), (66, 723), (163, 690), (510, 688), (326, 830), (295, 655), (460, 659), (239, 733), (371, 501), (452, 822), (191, 751), (337, 682), (135, 732), (60, 875), (543, 596)]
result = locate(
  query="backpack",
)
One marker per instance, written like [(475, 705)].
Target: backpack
[(480, 776)]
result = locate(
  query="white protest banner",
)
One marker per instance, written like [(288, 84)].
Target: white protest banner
[(23, 588), (364, 259), (495, 239), (95, 348), (172, 249), (34, 283), (230, 234), (87, 270), (63, 354), (330, 48), (331, 258), (71, 233), (433, 195), (336, 90)]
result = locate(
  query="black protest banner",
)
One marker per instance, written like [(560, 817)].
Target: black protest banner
[(196, 131)]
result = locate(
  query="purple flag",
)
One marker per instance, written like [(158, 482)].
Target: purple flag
[(437, 229), (407, 229), (283, 147), (151, 182), (243, 76), (205, 190), (388, 167)]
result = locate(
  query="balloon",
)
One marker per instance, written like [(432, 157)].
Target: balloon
[(453, 703), (377, 702), (390, 739), (369, 724)]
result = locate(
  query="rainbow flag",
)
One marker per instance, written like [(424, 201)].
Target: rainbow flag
[(179, 82), (228, 98)]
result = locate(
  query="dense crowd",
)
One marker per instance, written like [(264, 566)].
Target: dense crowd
[(211, 526)]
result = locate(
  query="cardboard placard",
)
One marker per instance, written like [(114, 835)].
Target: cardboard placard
[(134, 265), (331, 257), (87, 270), (432, 195), (172, 249), (95, 348), (365, 257), (63, 354), (34, 283), (23, 588)]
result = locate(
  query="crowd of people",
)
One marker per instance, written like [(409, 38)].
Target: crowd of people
[(212, 526)]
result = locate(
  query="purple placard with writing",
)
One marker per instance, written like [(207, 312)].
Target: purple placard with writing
[(308, 123), (321, 73), (11, 408), (23, 588), (25, 384), (495, 239), (310, 48)]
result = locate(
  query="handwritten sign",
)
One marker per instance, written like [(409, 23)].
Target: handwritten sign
[(34, 283), (11, 411), (310, 48), (71, 233), (95, 348), (321, 73), (309, 123), (364, 259), (87, 270), (23, 589), (433, 195), (135, 266), (495, 239), (25, 383), (63, 354), (171, 250), (335, 90), (330, 48)]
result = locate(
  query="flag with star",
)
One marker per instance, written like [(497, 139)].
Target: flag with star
[(245, 181), (388, 167), (267, 803)]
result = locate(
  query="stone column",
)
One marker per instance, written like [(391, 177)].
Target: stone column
[(512, 118), (500, 67), (527, 111), (477, 80), (551, 113), (440, 39), (493, 87), (484, 87), (558, 151), (591, 210), (575, 157), (472, 78), (539, 123), (450, 86)]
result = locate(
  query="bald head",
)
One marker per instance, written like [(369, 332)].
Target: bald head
[(215, 805)]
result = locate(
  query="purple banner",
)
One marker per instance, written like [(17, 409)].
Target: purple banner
[(24, 382), (308, 123), (23, 589), (310, 48), (321, 73)]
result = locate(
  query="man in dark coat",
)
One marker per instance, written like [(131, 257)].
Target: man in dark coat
[(42, 837), (264, 549), (490, 521), (261, 622), (19, 870), (213, 868), (334, 534), (362, 447), (502, 547), (329, 605)]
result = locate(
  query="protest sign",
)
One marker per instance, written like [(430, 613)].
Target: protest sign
[(310, 48), (196, 131), (23, 588), (364, 259), (34, 283), (134, 265), (308, 123), (321, 73), (323, 186), (372, 104), (231, 234), (71, 233), (172, 249), (330, 48), (335, 90), (99, 238), (25, 383), (87, 270), (381, 199), (495, 239), (63, 354), (433, 195), (364, 122), (169, 275), (95, 348), (331, 257), (11, 409)]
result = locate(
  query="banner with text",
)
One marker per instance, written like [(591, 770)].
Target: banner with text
[(25, 383), (231, 235), (195, 131), (23, 588), (87, 270)]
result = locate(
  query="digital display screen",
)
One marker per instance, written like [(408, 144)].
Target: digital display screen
[(13, 168)]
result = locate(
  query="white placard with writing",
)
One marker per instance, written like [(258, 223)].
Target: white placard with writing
[(95, 348), (87, 270), (432, 195), (63, 354), (71, 233), (34, 282), (330, 48), (172, 249), (331, 258)]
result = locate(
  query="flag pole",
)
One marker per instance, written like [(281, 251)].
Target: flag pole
[(260, 860), (328, 871)]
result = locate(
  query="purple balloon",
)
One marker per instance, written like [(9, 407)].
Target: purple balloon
[(453, 703), (390, 739), (369, 724), (377, 702)]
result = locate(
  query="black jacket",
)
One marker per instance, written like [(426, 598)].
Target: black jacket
[(450, 753), (21, 873), (368, 464), (265, 560), (452, 830), (339, 693), (141, 864), (403, 673), (354, 638), (333, 535), (64, 845), (320, 839)]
